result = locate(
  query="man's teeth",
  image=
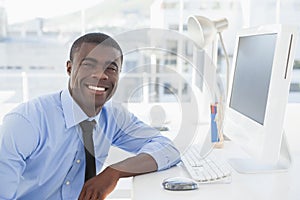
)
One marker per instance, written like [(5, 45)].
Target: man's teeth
[(96, 88)]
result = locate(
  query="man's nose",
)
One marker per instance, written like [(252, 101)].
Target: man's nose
[(100, 73)]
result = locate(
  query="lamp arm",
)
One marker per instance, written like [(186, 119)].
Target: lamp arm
[(227, 64)]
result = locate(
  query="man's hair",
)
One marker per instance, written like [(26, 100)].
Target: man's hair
[(97, 38)]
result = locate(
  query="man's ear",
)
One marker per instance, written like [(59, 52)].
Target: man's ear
[(69, 67)]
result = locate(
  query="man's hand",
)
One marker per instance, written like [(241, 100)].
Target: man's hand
[(98, 187)]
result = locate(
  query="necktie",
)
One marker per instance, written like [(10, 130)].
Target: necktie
[(87, 134)]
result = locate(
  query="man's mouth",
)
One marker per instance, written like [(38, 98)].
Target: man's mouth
[(96, 88)]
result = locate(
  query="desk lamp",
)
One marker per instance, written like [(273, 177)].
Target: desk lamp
[(205, 33)]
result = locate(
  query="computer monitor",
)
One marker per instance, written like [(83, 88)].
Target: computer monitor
[(258, 95)]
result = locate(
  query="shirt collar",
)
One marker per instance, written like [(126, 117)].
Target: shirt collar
[(72, 112)]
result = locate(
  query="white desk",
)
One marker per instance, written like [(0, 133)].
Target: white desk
[(272, 186)]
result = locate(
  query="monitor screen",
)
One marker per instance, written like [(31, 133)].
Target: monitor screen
[(252, 75)]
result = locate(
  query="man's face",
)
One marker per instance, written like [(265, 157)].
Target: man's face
[(94, 74)]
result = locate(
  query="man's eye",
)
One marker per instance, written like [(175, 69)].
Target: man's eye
[(87, 64), (112, 68)]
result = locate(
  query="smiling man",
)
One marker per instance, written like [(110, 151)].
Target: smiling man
[(44, 152)]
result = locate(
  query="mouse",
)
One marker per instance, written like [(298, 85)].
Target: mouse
[(179, 184)]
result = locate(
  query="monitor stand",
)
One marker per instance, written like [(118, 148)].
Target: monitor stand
[(258, 166)]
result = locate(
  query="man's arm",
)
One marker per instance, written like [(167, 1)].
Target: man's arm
[(154, 152), (101, 185), (17, 140)]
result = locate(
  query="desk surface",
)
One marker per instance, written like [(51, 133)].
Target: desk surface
[(275, 186)]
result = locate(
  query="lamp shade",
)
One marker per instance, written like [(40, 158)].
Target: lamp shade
[(203, 30)]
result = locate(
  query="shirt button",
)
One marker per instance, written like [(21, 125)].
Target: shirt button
[(68, 182), (78, 161)]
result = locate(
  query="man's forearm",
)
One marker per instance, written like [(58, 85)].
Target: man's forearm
[(104, 183), (139, 164)]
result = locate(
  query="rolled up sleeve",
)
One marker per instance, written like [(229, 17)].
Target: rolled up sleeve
[(163, 151)]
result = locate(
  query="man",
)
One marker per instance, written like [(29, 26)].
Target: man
[(42, 151)]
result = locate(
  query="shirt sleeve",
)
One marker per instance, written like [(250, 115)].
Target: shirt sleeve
[(137, 137), (17, 141), (163, 151)]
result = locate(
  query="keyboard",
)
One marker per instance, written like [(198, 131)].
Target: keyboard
[(205, 170)]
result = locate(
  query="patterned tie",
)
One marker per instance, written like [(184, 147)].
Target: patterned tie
[(87, 134)]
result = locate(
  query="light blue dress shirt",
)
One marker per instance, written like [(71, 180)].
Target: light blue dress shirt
[(42, 153)]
